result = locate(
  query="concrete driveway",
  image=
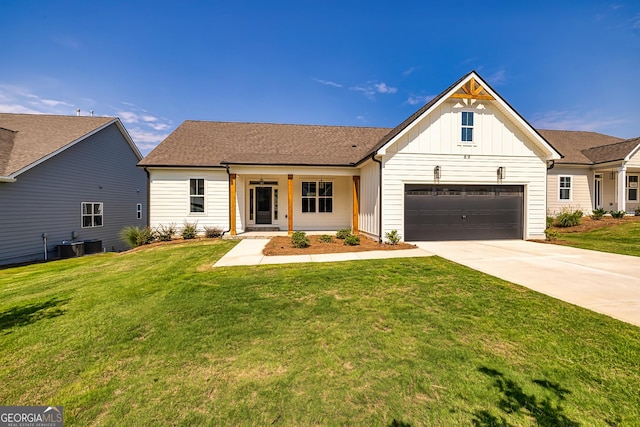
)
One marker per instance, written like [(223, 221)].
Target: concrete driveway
[(602, 282)]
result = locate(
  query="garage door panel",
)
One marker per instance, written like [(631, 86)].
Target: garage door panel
[(439, 212)]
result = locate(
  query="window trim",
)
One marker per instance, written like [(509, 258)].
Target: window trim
[(316, 197), (569, 188), (464, 127), (91, 215), (203, 196), (139, 210)]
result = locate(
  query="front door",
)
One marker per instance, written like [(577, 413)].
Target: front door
[(263, 205), (597, 191)]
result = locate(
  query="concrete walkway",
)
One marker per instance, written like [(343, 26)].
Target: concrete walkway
[(249, 252), (602, 282)]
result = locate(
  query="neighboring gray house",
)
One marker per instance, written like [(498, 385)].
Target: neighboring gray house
[(66, 178)]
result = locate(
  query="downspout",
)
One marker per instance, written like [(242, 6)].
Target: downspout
[(229, 187), (551, 164), (373, 157)]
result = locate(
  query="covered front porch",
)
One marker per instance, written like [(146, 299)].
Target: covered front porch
[(615, 188), (274, 200)]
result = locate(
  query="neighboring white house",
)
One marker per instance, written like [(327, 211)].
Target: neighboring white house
[(66, 178), (464, 166)]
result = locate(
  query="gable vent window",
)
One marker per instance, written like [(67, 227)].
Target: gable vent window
[(196, 195), (92, 214), (467, 126)]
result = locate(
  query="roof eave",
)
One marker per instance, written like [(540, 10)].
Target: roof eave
[(7, 179)]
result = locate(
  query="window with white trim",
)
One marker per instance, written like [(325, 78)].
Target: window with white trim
[(564, 184), (467, 127), (317, 195), (632, 188), (196, 195), (92, 214)]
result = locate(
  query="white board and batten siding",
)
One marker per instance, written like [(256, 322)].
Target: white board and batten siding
[(369, 198), (435, 141), (170, 203)]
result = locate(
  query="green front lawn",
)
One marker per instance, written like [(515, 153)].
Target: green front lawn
[(622, 238), (156, 337)]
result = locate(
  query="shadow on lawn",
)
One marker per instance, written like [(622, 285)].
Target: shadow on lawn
[(27, 314), (514, 400)]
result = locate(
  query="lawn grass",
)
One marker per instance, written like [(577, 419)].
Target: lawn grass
[(623, 239), (156, 337)]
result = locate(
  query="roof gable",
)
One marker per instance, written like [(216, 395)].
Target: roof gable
[(470, 86), (38, 137)]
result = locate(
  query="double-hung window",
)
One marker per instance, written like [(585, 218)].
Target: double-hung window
[(92, 214), (309, 197), (317, 196), (196, 195), (467, 127), (565, 187), (632, 188)]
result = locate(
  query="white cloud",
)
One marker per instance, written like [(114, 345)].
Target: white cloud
[(328, 83), (140, 135), (497, 78), (372, 88), (17, 109), (419, 99), (593, 121), (128, 116), (409, 71)]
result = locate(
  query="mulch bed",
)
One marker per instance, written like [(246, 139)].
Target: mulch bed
[(588, 224), (282, 246)]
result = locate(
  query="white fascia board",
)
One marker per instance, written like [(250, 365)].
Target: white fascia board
[(632, 153), (61, 149), (7, 179)]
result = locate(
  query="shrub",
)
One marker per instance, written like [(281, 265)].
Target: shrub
[(618, 214), (551, 234), (352, 240), (299, 239), (326, 238), (165, 233), (212, 232), (550, 221), (343, 233), (392, 237), (136, 236), (568, 218), (598, 213), (190, 230)]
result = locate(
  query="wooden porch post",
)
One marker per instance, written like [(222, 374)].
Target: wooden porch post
[(356, 204), (232, 204), (290, 204)]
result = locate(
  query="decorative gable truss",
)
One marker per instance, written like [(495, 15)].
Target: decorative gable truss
[(472, 90)]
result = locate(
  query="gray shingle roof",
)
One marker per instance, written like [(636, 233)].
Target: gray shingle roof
[(577, 146), (210, 144), (611, 152), (28, 138)]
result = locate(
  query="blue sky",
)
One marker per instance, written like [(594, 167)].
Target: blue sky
[(561, 64)]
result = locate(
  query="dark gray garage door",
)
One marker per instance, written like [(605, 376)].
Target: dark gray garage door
[(463, 212)]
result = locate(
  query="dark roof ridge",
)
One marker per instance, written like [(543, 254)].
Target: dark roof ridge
[(287, 124)]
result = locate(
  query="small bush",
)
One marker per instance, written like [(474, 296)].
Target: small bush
[(212, 232), (392, 237), (136, 236), (550, 221), (569, 218), (352, 240), (326, 238), (551, 234), (343, 233), (190, 230), (618, 214), (299, 239), (165, 233), (598, 213)]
